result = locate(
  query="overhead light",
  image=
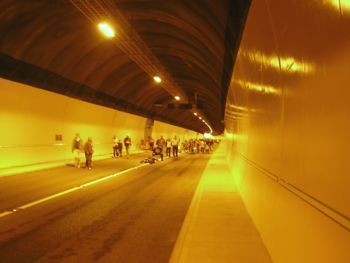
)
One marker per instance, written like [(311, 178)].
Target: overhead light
[(106, 29), (157, 79), (208, 136), (195, 113), (200, 118), (177, 97)]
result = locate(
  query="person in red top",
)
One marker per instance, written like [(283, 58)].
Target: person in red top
[(127, 144)]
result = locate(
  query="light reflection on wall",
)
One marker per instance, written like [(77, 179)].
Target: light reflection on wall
[(236, 136), (236, 107), (240, 108), (343, 6), (285, 64), (258, 87), (233, 117), (229, 135)]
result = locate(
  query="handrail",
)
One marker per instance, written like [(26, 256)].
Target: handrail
[(333, 214)]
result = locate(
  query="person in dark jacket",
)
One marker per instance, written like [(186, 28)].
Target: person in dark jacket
[(120, 148), (158, 151), (151, 143), (161, 145), (127, 144), (88, 148)]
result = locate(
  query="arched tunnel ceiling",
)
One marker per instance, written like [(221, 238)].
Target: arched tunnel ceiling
[(51, 45)]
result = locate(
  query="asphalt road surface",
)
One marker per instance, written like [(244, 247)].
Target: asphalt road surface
[(134, 217)]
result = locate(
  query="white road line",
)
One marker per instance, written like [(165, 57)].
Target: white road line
[(42, 200), (5, 213)]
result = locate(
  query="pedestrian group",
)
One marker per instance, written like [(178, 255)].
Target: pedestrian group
[(169, 146)]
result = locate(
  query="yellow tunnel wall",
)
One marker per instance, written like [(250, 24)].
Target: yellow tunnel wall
[(287, 127), (31, 118), (169, 131)]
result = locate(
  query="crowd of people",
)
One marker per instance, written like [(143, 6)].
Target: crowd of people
[(79, 148), (198, 145), (158, 148), (173, 146), (118, 146), (169, 146)]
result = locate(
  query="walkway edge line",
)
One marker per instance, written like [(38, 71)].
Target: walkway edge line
[(179, 250)]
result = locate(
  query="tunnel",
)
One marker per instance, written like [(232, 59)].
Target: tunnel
[(175, 131)]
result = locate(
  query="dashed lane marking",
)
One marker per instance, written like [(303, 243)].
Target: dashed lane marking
[(45, 199)]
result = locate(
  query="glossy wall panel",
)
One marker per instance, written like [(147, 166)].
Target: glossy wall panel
[(30, 118), (287, 127)]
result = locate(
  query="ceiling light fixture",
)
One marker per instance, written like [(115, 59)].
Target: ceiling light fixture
[(106, 29), (157, 79)]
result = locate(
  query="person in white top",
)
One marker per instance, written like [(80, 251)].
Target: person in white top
[(77, 149), (168, 147), (115, 147), (175, 143)]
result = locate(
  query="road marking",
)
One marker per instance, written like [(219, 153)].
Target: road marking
[(42, 200)]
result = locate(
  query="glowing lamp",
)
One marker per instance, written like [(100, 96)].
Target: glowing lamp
[(106, 29)]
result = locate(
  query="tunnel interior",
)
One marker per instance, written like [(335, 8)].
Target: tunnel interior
[(268, 78)]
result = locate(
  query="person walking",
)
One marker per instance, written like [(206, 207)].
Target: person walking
[(115, 147), (161, 144), (127, 144), (77, 148), (202, 146), (168, 147), (151, 143), (175, 143), (88, 148), (120, 148)]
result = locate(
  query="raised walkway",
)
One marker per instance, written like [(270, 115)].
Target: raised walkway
[(217, 227)]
